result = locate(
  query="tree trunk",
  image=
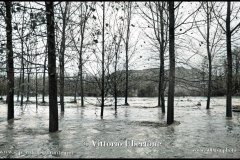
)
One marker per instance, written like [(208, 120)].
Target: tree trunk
[(81, 79), (129, 7), (209, 60), (115, 83), (103, 52), (159, 89), (36, 87), (162, 61), (28, 83), (61, 58), (22, 87), (170, 109), (117, 46), (22, 64), (80, 57), (76, 89), (23, 69), (61, 62), (229, 63), (209, 83), (53, 104), (10, 65), (236, 86), (44, 79), (19, 86)]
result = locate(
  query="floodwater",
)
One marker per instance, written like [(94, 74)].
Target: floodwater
[(135, 131)]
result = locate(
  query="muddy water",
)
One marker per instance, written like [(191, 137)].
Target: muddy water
[(135, 131)]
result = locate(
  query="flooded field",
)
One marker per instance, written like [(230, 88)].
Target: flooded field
[(135, 131)]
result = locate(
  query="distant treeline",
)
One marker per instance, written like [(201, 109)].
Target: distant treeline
[(143, 83)]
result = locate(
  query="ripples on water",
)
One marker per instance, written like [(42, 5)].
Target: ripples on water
[(196, 133)]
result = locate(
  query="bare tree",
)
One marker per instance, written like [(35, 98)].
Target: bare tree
[(229, 62), (103, 56), (170, 109), (20, 32), (22, 60), (208, 12), (82, 33), (53, 105), (85, 11), (64, 13), (236, 57), (157, 20), (10, 64), (162, 51), (44, 77), (129, 17), (117, 37), (212, 42), (229, 31)]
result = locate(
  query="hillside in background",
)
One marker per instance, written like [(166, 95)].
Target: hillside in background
[(142, 83)]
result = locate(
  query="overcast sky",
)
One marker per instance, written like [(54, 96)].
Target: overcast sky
[(190, 47)]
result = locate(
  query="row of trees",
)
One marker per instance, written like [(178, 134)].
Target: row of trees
[(97, 33), (84, 10)]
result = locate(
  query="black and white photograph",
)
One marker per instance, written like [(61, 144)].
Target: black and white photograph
[(119, 79)]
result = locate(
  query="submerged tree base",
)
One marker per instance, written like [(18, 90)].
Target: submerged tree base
[(236, 108), (126, 104)]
